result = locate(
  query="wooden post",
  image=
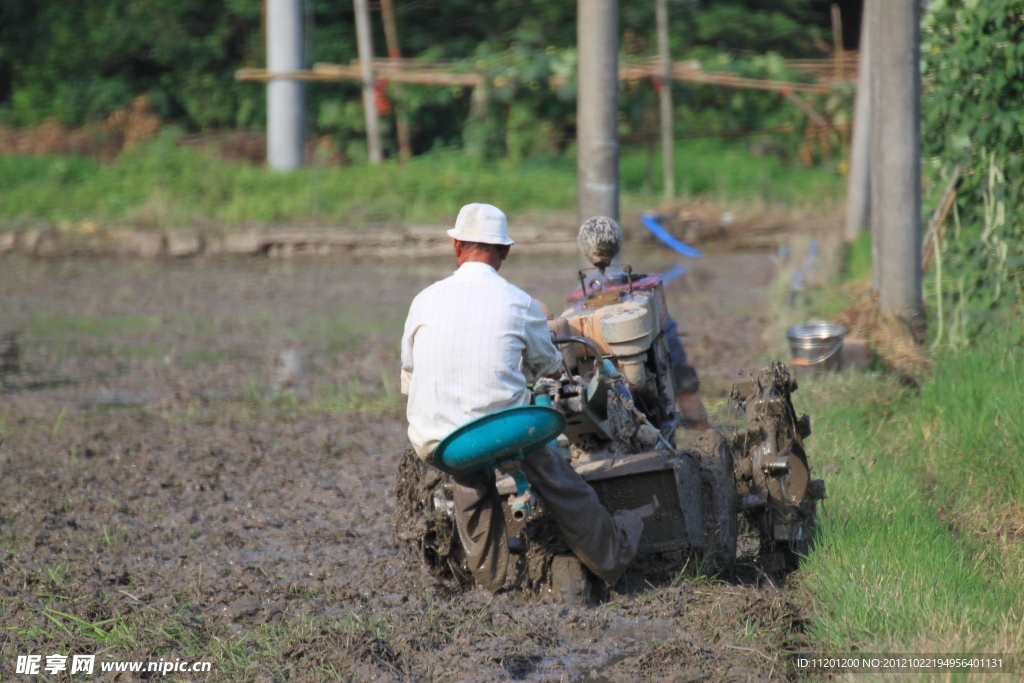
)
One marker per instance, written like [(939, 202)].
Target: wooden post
[(387, 10), (837, 40), (665, 100), (364, 38)]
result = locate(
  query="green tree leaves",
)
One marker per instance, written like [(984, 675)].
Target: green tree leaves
[(78, 60), (973, 116)]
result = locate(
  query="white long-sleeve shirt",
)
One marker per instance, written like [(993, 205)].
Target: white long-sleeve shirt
[(466, 342)]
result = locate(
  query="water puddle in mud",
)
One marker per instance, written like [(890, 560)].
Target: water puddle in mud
[(607, 647), (579, 665)]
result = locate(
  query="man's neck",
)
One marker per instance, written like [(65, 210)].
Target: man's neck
[(491, 258), (473, 254), (482, 263)]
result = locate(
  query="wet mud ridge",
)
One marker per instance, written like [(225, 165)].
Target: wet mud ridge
[(211, 510)]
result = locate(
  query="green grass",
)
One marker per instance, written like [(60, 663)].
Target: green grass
[(161, 185), (724, 170), (93, 326), (858, 259), (348, 325), (351, 395), (919, 546)]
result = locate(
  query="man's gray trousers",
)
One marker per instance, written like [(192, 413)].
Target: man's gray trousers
[(605, 545)]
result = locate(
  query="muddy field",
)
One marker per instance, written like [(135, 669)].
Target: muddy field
[(197, 462)]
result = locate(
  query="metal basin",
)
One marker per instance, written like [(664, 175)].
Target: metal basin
[(816, 343)]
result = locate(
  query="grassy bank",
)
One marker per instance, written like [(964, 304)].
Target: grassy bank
[(922, 538), (162, 185)]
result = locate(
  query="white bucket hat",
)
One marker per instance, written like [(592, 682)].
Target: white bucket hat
[(481, 223)]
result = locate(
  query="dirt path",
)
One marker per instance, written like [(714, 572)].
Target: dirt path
[(168, 479)]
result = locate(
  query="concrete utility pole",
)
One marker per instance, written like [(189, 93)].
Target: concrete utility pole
[(286, 106), (364, 38), (665, 100), (896, 157), (858, 186), (872, 17), (597, 109)]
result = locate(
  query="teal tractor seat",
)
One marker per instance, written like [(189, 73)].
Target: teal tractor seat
[(499, 437), (498, 440)]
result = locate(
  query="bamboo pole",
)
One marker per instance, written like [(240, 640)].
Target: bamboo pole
[(937, 225), (858, 179), (364, 38), (668, 163), (422, 76), (344, 72), (433, 72), (802, 105), (387, 10), (837, 40)]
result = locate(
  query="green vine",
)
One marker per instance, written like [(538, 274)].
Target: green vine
[(973, 82)]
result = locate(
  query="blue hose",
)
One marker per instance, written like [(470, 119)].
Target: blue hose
[(654, 226)]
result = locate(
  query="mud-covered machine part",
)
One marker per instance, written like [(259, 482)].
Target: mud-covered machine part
[(772, 475)]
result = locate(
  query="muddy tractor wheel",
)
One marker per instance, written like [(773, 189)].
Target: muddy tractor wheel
[(783, 556), (542, 563), (718, 496), (423, 528)]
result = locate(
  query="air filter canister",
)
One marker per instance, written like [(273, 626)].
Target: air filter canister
[(628, 330)]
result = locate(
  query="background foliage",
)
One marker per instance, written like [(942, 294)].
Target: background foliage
[(973, 54), (78, 60)]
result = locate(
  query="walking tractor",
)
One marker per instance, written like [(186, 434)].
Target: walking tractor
[(612, 411)]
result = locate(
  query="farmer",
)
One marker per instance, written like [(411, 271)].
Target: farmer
[(467, 340), (688, 400)]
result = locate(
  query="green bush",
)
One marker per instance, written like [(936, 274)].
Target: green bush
[(78, 60), (973, 66)]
